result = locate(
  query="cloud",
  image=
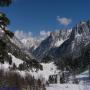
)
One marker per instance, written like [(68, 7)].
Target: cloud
[(44, 34), (25, 35), (22, 35), (64, 21)]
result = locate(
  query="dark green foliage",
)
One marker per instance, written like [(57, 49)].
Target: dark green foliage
[(27, 65), (14, 79), (36, 64), (2, 51), (1, 61), (21, 67), (9, 33), (62, 78), (39, 82), (2, 45), (30, 80), (14, 67), (10, 59), (32, 64), (4, 21), (75, 65), (46, 59), (4, 3), (4, 54), (52, 79), (41, 67)]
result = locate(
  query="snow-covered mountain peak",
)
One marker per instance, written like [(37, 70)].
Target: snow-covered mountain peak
[(31, 42), (81, 34), (17, 42), (58, 37), (61, 34), (55, 39)]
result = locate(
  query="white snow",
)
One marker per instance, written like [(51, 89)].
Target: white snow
[(83, 76), (1, 33), (48, 69), (31, 42), (68, 87), (73, 44), (83, 85), (17, 42), (59, 42), (4, 66), (16, 60), (78, 35)]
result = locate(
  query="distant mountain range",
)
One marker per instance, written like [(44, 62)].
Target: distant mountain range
[(68, 49), (55, 39)]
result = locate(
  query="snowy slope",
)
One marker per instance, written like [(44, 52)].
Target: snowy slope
[(48, 69), (17, 42), (4, 66), (58, 43), (83, 76), (68, 87), (31, 43), (16, 60)]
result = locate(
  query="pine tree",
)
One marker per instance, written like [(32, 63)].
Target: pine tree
[(14, 66), (4, 21)]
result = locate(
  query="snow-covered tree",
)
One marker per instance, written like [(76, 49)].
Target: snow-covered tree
[(4, 21)]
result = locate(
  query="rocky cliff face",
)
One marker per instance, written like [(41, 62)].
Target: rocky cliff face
[(53, 41), (75, 51), (79, 38)]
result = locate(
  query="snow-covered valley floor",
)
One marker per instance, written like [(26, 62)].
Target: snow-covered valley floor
[(68, 87), (49, 69)]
